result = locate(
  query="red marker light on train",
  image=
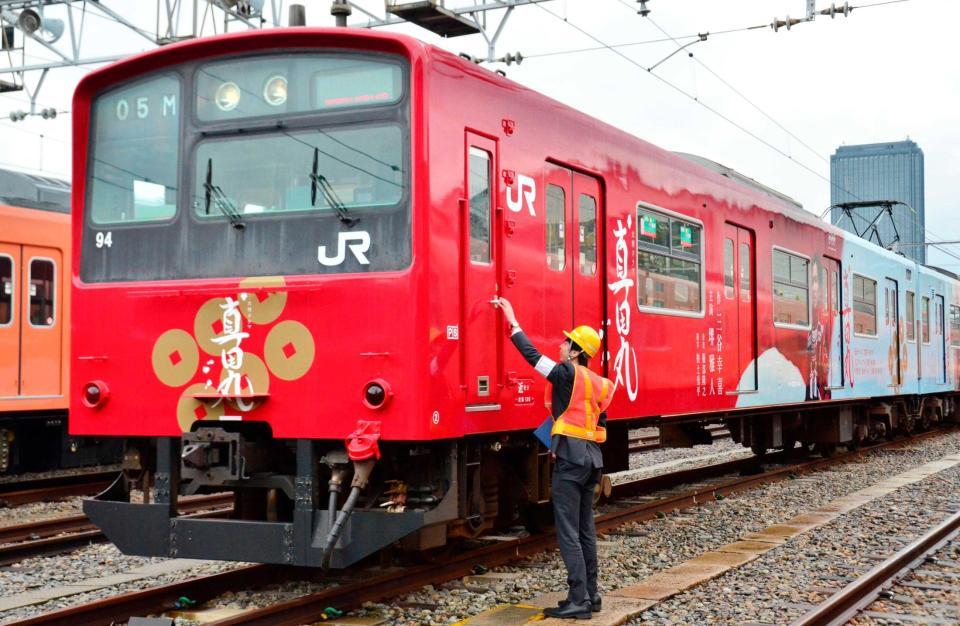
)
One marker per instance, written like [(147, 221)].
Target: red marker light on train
[(376, 394), (95, 394)]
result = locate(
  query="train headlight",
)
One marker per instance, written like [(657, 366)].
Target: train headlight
[(377, 394), (228, 96), (95, 394), (275, 91)]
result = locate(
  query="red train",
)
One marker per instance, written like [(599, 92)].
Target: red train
[(285, 247), (34, 328)]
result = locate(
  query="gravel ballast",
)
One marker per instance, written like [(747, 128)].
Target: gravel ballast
[(636, 551)]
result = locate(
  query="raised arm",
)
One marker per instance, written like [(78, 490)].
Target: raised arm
[(544, 365)]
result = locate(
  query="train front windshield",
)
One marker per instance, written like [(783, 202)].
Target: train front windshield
[(253, 166)]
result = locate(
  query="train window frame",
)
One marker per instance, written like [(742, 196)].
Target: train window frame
[(561, 230), (53, 292), (13, 291), (193, 69), (954, 326), (773, 250), (92, 226), (194, 176), (910, 315), (583, 263), (472, 151), (700, 260), (925, 327), (853, 300)]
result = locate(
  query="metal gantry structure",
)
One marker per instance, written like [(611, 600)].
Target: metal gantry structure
[(37, 36)]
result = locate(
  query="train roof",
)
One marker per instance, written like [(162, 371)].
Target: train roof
[(34, 192), (733, 174)]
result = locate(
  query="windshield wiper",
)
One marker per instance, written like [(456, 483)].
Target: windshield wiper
[(220, 199), (320, 181)]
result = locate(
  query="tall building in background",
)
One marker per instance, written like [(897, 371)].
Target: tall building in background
[(881, 171)]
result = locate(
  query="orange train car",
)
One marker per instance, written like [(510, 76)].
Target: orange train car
[(34, 327)]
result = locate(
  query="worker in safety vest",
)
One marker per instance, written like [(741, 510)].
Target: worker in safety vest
[(577, 398)]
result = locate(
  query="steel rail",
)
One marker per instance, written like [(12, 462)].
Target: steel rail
[(310, 608), (118, 609), (652, 442), (55, 488), (372, 587), (842, 606)]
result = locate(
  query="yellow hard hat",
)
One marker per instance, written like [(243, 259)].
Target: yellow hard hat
[(585, 337)]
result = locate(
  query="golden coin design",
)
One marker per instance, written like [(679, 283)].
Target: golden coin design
[(260, 300), (190, 409), (209, 324), (289, 350), (175, 357)]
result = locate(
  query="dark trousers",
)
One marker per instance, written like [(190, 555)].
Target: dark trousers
[(576, 534)]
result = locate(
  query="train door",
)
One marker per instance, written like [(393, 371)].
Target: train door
[(940, 341), (835, 311), (9, 321), (480, 329), (587, 252), (40, 322), (557, 292), (891, 316), (739, 294)]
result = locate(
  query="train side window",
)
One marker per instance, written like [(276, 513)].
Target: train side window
[(864, 306), (728, 263), (6, 290), (791, 289), (745, 273), (42, 286), (479, 194), (954, 325), (911, 323), (588, 235), (925, 319), (556, 238), (669, 263)]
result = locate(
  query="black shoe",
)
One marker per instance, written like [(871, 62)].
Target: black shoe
[(596, 603), (570, 611)]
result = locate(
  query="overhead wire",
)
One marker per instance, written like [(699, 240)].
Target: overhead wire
[(914, 219), (688, 95), (740, 127), (729, 86)]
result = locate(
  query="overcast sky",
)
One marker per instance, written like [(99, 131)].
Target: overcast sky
[(884, 73)]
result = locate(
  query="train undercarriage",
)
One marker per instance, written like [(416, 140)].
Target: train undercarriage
[(35, 441), (306, 502)]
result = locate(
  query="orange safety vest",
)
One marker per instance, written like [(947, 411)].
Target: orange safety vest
[(591, 395)]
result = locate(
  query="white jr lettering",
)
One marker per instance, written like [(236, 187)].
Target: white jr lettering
[(526, 190), (359, 249)]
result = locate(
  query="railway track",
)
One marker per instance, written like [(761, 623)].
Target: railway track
[(61, 534), (54, 488), (644, 443), (853, 599), (708, 483)]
